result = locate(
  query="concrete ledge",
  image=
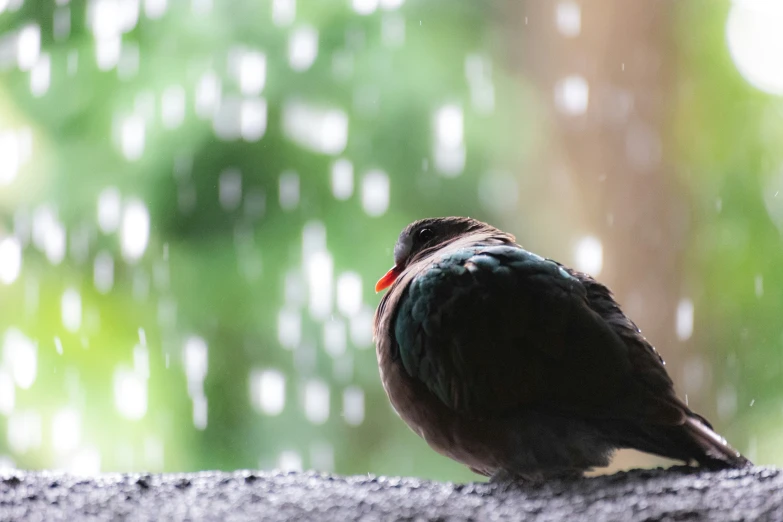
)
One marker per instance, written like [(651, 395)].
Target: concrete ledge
[(649, 495)]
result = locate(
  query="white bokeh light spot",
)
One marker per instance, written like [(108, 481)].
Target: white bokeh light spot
[(342, 179), (302, 48), (316, 401), (684, 321), (130, 393), (71, 310), (20, 355), (349, 293), (375, 193), (66, 430), (10, 260), (135, 231), (364, 7), (755, 41), (109, 204), (589, 255), (569, 18), (572, 95), (267, 389)]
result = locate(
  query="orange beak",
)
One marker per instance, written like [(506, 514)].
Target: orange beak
[(387, 280)]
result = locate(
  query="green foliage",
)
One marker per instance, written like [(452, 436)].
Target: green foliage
[(729, 161), (389, 92)]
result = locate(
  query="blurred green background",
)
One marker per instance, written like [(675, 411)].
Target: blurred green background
[(197, 196)]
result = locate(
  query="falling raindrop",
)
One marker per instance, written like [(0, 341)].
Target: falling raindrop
[(349, 293), (252, 72), (227, 123), (283, 12), (727, 402), (71, 310), (109, 202), (135, 232), (24, 431), (28, 47), (103, 272), (132, 137), (302, 48), (353, 405), (230, 189), (153, 453), (130, 393), (40, 76), (289, 328), (361, 328), (255, 203), (684, 325), (313, 239), (195, 358), (200, 412), (289, 190), (572, 95), (7, 393), (316, 401), (289, 461), (393, 30), (141, 361), (569, 18), (252, 119), (66, 430), (323, 130), (10, 160), (10, 260), (127, 62), (321, 456), (319, 280), (20, 356), (49, 234), (342, 179), (589, 255), (478, 72), (364, 7), (375, 193), (155, 9), (294, 289), (335, 337), (172, 107), (86, 462), (267, 391), (61, 24), (208, 95), (449, 140)]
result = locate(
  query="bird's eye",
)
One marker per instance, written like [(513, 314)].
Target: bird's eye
[(425, 234)]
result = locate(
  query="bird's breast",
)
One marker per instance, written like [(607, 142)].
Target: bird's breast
[(479, 445)]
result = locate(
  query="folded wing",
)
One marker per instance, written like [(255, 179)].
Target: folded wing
[(493, 329)]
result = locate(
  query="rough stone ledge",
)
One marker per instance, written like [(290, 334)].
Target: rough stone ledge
[(754, 494)]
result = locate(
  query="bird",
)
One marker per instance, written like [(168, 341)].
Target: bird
[(519, 367)]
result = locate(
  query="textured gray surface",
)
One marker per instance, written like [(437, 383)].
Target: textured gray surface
[(677, 494)]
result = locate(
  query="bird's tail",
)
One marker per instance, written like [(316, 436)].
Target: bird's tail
[(693, 440), (715, 451)]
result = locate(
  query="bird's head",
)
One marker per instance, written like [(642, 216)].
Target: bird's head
[(424, 236)]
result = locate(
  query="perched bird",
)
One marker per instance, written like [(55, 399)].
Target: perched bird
[(519, 367)]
